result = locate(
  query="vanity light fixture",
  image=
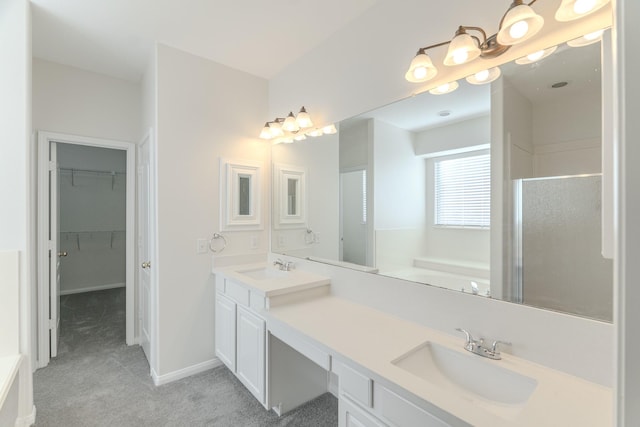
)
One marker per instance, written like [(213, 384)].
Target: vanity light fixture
[(587, 39), (518, 24), (536, 56), (484, 76), (445, 88), (290, 127), (570, 10)]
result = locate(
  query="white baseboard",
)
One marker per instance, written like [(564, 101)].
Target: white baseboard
[(185, 372), (92, 288), (27, 420)]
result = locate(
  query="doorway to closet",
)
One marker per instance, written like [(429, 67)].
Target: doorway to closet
[(86, 244)]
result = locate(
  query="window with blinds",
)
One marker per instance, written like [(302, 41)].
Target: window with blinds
[(463, 191)]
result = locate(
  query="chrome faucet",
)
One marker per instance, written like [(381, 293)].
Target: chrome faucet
[(283, 265), (478, 347)]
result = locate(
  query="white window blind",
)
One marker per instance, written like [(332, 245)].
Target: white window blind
[(463, 191)]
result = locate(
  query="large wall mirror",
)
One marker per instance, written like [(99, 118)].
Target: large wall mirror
[(419, 189)]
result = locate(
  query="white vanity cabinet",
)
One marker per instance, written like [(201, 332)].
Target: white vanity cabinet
[(364, 402), (240, 335), (250, 352)]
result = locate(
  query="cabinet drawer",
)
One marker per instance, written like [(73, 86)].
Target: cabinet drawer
[(238, 293), (350, 415), (356, 385), (400, 412)]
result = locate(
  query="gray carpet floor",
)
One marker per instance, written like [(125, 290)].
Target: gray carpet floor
[(97, 380)]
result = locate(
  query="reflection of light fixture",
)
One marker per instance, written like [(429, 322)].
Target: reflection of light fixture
[(518, 24), (587, 39), (329, 130), (300, 137), (315, 132), (536, 56), (445, 88), (576, 9), (484, 76)]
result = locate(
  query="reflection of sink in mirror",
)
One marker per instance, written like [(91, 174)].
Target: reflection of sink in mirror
[(442, 279), (472, 374), (263, 273)]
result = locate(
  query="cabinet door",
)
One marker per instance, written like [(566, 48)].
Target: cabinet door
[(350, 415), (226, 331), (250, 352)]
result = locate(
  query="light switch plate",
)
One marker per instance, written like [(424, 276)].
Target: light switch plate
[(254, 242), (202, 246)]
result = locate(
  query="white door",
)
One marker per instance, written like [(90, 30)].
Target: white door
[(54, 246), (144, 246), (250, 352), (353, 225), (226, 331)]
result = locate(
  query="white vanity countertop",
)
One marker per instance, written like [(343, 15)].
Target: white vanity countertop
[(286, 282), (372, 339)]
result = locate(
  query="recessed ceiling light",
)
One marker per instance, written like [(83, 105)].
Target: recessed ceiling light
[(444, 113), (559, 85)]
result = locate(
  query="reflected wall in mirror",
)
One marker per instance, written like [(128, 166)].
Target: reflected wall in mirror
[(407, 190)]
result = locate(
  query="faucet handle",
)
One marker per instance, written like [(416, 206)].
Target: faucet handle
[(467, 334), (494, 346)]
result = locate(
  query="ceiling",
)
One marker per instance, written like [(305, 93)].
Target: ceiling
[(116, 37)]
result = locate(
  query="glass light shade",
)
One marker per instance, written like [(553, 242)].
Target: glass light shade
[(484, 76), (304, 119), (445, 88), (315, 132), (462, 49), (329, 130), (290, 124), (421, 69), (587, 39), (536, 56), (520, 23), (276, 129), (300, 137), (266, 132), (570, 10), (287, 140)]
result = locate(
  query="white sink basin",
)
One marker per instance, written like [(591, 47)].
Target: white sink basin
[(263, 273), (467, 373)]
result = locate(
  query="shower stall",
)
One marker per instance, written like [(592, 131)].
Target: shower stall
[(557, 262)]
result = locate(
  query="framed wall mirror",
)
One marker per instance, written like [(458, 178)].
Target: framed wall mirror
[(492, 190), (240, 188)]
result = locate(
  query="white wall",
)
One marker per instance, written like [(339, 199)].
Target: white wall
[(205, 111), (319, 156), (627, 176), (453, 136), (399, 205), (92, 218), (78, 102), (567, 135), (17, 219)]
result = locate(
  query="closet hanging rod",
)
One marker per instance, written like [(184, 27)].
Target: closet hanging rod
[(105, 172)]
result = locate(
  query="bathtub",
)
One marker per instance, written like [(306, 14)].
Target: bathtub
[(441, 279)]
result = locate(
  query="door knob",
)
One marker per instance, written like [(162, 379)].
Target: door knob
[(62, 254), (146, 264)]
